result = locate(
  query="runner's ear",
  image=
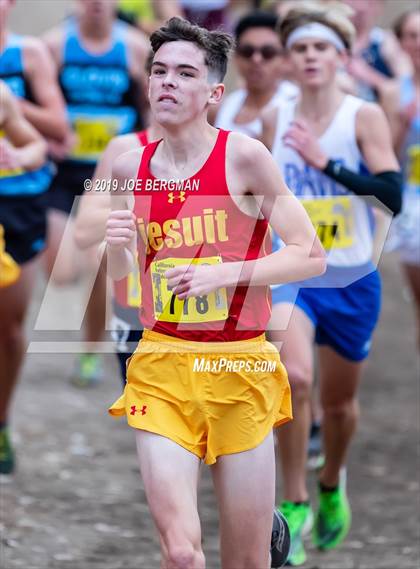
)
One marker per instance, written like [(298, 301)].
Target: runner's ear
[(216, 94)]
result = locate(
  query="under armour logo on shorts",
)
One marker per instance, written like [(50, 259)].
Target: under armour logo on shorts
[(134, 410)]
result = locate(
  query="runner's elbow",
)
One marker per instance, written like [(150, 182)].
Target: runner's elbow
[(319, 258), (321, 265), (81, 237), (86, 235), (61, 128)]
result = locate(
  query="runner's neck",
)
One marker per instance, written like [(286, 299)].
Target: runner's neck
[(259, 99), (97, 31), (182, 144), (317, 104), (154, 132)]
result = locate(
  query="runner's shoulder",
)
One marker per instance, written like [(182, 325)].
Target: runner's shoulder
[(368, 116), (34, 48), (126, 165), (243, 151), (123, 143), (137, 39), (269, 119), (269, 115), (54, 40)]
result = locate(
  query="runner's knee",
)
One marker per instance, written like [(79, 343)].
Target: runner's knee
[(183, 546), (300, 379), (184, 556), (341, 409)]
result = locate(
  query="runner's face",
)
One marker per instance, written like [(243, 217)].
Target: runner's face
[(179, 87), (410, 38), (5, 6), (315, 62), (258, 58), (98, 10)]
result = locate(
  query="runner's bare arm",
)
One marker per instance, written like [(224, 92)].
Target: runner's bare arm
[(269, 124), (95, 205), (121, 233), (395, 56), (374, 139), (27, 148), (303, 257), (48, 114), (138, 52)]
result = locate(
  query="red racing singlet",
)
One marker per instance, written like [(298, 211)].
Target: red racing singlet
[(195, 221), (127, 290)]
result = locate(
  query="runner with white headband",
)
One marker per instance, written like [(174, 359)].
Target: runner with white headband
[(320, 142), (316, 31)]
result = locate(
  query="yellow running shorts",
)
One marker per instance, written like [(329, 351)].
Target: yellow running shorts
[(9, 270), (211, 398)]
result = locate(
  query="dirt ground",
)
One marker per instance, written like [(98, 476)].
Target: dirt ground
[(77, 502)]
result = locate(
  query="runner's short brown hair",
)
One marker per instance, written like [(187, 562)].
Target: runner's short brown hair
[(215, 45), (332, 14)]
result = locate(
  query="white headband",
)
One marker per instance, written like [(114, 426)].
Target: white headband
[(316, 30)]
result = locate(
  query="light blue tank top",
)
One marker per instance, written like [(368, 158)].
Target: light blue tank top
[(18, 182), (100, 94)]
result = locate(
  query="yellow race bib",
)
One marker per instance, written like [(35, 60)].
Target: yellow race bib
[(414, 165), (332, 218), (169, 308), (93, 136)]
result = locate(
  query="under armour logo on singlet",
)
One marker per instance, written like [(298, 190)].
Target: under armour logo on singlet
[(180, 196), (134, 410)]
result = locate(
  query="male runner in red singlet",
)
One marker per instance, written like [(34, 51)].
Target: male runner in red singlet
[(203, 383)]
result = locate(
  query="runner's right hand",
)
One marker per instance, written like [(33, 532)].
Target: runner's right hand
[(120, 228)]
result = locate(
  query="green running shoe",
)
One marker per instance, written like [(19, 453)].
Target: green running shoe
[(7, 457), (88, 372), (333, 519), (299, 519)]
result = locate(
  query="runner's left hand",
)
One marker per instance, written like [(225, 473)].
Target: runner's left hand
[(300, 138), (187, 281)]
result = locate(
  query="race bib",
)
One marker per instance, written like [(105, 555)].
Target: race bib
[(93, 136), (5, 173), (133, 289), (333, 221), (414, 165), (169, 308)]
